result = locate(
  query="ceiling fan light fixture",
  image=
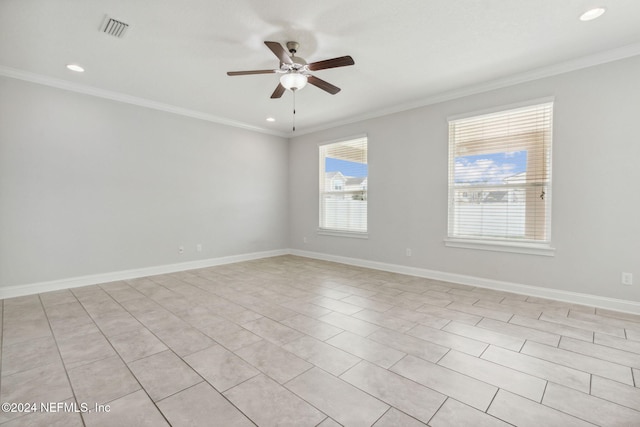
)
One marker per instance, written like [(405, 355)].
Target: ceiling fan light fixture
[(592, 14), (75, 67), (293, 81)]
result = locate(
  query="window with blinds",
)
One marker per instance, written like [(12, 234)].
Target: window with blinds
[(343, 186), (500, 176)]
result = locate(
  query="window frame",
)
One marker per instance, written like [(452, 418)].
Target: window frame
[(501, 244), (338, 232)]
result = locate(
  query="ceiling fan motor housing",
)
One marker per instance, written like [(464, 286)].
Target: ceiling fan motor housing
[(293, 47), (298, 62), (295, 71)]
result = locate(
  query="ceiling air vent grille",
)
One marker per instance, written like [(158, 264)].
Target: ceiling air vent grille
[(113, 27)]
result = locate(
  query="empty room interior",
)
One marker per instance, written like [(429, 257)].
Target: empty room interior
[(337, 213)]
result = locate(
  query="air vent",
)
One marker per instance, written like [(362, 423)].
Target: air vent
[(113, 27)]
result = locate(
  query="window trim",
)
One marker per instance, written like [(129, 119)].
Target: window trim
[(342, 233), (335, 232), (529, 247)]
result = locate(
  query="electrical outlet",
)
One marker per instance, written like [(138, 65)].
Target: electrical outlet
[(408, 252), (199, 247), (180, 249), (627, 279), (304, 239)]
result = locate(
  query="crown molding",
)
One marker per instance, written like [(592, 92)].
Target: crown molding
[(527, 76), (536, 74), (15, 73)]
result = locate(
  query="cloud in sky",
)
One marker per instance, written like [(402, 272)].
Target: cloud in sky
[(482, 171)]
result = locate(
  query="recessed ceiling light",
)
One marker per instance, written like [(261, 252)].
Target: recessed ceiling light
[(76, 68), (592, 14), (271, 119)]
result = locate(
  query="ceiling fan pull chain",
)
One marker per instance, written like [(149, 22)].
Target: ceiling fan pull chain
[(294, 110)]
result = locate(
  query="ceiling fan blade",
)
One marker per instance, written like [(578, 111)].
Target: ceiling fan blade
[(278, 92), (279, 51), (245, 73), (328, 87), (342, 61)]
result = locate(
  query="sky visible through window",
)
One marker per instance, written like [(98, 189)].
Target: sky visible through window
[(345, 167), (489, 168)]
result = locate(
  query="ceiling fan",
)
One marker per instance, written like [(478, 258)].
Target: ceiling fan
[(295, 72)]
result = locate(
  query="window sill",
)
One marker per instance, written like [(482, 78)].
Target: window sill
[(341, 233), (502, 246)]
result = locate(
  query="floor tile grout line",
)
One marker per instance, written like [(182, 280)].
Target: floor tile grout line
[(525, 341), (448, 369), (392, 372), (203, 381), (516, 325), (191, 367), (186, 322), (182, 359), (439, 408), (279, 321), (546, 384), (445, 355), (344, 381), (527, 373), (607, 399), (600, 358), (355, 355), (483, 352), (575, 416), (585, 328), (284, 385), (64, 366), (120, 356), (110, 343), (554, 363), (491, 331), (382, 416), (631, 342), (486, 411), (609, 321)]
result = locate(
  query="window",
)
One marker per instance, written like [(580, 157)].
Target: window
[(500, 179), (343, 187)]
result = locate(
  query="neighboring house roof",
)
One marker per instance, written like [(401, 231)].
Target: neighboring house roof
[(356, 180), (331, 175), (495, 196), (518, 178)]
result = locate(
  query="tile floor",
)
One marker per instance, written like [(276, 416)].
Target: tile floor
[(300, 342)]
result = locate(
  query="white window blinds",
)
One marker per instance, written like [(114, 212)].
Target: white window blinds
[(343, 186), (500, 175)]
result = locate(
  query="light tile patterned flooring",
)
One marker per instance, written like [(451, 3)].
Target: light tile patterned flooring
[(301, 342)]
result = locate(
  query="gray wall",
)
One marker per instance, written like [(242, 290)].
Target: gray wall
[(596, 186), (89, 186)]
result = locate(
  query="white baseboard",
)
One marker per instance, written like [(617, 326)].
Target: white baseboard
[(555, 294), (94, 279), (535, 291)]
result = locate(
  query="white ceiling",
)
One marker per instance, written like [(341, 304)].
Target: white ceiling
[(406, 52)]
